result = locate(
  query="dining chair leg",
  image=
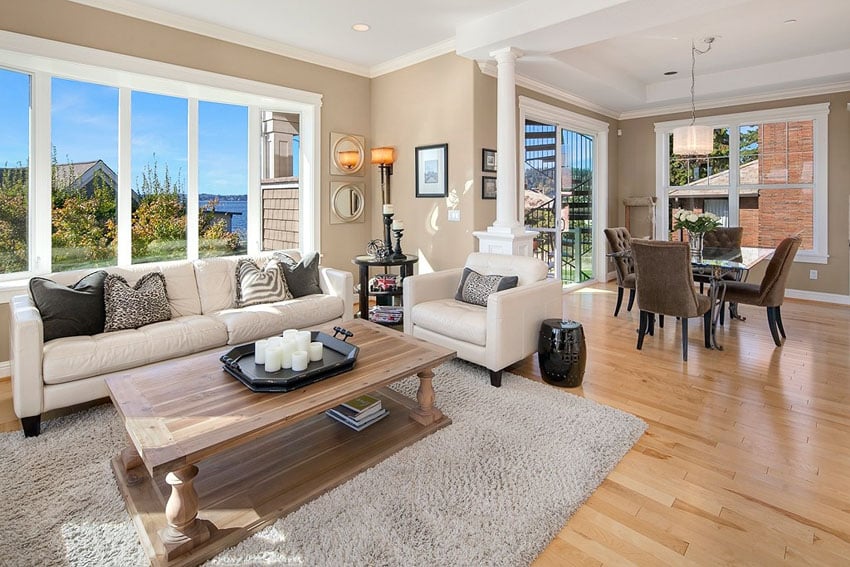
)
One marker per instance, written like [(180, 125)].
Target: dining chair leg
[(661, 321), (706, 328), (685, 339), (644, 323), (631, 299), (722, 311), (778, 309), (619, 300), (771, 323)]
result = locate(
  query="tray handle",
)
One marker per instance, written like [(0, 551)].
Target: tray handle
[(346, 334)]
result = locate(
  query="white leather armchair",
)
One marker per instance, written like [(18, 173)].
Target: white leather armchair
[(495, 336)]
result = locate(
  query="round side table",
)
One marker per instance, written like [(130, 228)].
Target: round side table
[(562, 353)]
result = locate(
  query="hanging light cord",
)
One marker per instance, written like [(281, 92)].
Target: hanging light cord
[(694, 51)]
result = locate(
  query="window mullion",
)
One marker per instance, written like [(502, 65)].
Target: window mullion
[(734, 175), (41, 167), (125, 185), (192, 183), (255, 198)]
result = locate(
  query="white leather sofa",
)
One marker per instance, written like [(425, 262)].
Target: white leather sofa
[(202, 296), (495, 336)]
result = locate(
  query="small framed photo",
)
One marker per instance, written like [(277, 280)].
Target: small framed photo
[(488, 160), (488, 187), (432, 171)]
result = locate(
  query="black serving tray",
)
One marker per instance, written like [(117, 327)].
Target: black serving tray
[(339, 356)]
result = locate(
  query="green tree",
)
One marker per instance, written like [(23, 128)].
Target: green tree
[(13, 218)]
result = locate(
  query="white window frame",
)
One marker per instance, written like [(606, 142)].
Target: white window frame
[(817, 113), (530, 108), (44, 59)]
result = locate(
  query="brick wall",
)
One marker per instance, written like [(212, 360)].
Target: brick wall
[(280, 218)]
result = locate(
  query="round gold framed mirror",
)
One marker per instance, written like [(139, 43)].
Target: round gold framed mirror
[(347, 202), (348, 154)]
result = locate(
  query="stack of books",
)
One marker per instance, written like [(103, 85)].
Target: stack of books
[(391, 314), (359, 413)]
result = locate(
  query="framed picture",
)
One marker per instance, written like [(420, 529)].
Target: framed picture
[(432, 171), (488, 160), (488, 187)]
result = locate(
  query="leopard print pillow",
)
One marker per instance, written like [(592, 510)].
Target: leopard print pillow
[(133, 307)]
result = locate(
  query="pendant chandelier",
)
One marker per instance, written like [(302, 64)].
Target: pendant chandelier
[(694, 140)]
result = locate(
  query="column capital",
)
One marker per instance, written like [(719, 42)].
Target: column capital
[(506, 54)]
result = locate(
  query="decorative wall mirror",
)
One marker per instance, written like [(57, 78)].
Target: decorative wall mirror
[(347, 202), (348, 154)]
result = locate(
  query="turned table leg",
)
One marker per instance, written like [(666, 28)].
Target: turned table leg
[(185, 531), (132, 462), (426, 413)]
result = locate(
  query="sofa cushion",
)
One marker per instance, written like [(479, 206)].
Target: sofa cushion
[(74, 358), (133, 307), (476, 288), (462, 321), (216, 278), (68, 311), (302, 276), (265, 320), (255, 285)]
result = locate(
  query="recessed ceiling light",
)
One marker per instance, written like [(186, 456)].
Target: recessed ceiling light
[(360, 27), (790, 21), (668, 73)]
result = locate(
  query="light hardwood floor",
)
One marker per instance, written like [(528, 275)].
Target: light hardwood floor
[(747, 454)]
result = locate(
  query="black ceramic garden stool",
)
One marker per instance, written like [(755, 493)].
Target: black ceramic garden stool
[(561, 352)]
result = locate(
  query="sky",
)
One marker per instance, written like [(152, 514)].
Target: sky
[(84, 127)]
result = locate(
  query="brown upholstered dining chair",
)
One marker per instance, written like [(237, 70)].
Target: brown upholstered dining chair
[(619, 240), (723, 237), (771, 291), (664, 283)]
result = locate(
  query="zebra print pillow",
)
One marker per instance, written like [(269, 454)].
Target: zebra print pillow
[(133, 307), (254, 285), (476, 288)]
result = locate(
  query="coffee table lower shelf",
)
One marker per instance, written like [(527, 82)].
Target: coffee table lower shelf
[(244, 490)]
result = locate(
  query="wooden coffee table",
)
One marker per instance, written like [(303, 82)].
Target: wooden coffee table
[(259, 455)]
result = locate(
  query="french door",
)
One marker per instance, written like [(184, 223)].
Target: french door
[(559, 184)]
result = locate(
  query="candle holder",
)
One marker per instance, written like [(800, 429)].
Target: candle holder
[(397, 253), (388, 223)]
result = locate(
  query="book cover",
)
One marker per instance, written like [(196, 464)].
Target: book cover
[(356, 426), (358, 415), (362, 403)]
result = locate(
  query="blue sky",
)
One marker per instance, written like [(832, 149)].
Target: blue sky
[(84, 127)]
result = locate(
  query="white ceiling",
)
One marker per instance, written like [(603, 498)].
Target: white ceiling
[(607, 55)]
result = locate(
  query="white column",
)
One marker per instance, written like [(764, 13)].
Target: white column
[(507, 235)]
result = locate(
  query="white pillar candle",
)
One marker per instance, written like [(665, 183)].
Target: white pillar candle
[(300, 360), (302, 339), (286, 353), (273, 359), (274, 342), (398, 225), (388, 209), (290, 333), (315, 349), (260, 351)]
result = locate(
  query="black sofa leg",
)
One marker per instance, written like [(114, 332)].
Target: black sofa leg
[(631, 299), (619, 300), (496, 378), (31, 425)]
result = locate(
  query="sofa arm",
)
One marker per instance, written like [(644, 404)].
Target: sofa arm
[(427, 287), (341, 284), (26, 347), (514, 317)]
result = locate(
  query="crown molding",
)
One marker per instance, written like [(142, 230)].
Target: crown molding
[(489, 68), (412, 58), (215, 31)]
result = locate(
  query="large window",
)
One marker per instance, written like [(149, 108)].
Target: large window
[(766, 173), (99, 167)]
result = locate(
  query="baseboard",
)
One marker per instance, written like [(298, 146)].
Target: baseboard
[(5, 369), (818, 296)]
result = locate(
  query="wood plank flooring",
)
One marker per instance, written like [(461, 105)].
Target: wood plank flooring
[(747, 455)]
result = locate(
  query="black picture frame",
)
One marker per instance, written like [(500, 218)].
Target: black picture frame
[(432, 171), (488, 187), (488, 160)]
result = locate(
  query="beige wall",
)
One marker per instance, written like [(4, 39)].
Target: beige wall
[(637, 177), (422, 105)]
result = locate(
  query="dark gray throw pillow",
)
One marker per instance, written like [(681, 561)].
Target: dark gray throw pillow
[(301, 277), (475, 288), (133, 307), (70, 311)]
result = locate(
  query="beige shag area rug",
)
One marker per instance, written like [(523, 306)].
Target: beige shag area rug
[(493, 488)]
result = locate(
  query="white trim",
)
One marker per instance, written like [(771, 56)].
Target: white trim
[(124, 205), (215, 31), (5, 369), (254, 231), (40, 224), (412, 58), (818, 296), (192, 151), (598, 129), (818, 113)]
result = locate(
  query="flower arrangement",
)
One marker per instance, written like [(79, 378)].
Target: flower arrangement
[(695, 222)]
